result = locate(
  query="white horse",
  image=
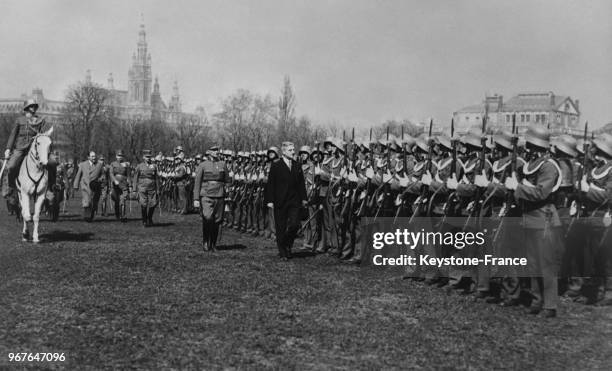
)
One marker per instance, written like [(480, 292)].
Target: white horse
[(33, 181)]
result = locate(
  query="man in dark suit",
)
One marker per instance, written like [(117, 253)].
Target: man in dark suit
[(285, 193)]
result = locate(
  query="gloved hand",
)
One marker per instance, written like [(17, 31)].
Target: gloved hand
[(7, 153)]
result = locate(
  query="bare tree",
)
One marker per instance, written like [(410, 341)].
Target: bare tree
[(286, 111), (85, 107)]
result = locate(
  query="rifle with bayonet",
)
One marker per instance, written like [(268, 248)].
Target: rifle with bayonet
[(379, 199), (452, 200), (401, 197), (421, 201), (364, 202), (474, 207), (578, 207), (348, 199), (509, 205)]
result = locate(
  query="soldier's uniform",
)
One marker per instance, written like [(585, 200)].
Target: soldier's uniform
[(146, 182), (181, 179), (104, 182), (118, 174), (21, 137), (541, 223), (597, 190), (209, 189)]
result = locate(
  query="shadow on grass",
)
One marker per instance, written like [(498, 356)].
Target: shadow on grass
[(57, 236), (231, 247), (113, 219), (303, 254), (161, 224)]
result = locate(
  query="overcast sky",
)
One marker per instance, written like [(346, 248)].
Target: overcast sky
[(350, 61)]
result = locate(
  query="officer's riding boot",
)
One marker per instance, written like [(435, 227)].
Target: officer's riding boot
[(143, 215), (205, 237), (87, 213), (150, 216), (118, 210), (121, 214), (214, 232), (104, 208)]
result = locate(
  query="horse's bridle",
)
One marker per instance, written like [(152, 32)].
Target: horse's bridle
[(36, 158)]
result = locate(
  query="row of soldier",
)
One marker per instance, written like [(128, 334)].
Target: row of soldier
[(561, 189), (562, 195)]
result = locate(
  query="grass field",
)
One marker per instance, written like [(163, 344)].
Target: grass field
[(113, 295)]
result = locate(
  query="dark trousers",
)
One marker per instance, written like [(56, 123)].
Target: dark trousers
[(287, 223)]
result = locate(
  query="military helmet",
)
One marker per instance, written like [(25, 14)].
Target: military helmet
[(503, 138), (604, 143), (409, 142), (395, 144), (473, 137), (198, 156), (30, 103), (179, 149), (147, 153), (566, 144), (273, 149), (421, 143), (445, 142), (538, 136), (365, 145), (304, 149), (315, 151), (119, 152), (383, 142), (329, 140)]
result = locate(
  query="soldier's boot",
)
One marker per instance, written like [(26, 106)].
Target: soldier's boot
[(150, 216), (214, 233), (205, 237), (118, 211), (104, 208), (143, 215), (122, 214), (87, 213)]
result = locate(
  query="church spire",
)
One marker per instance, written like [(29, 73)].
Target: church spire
[(110, 81), (139, 75)]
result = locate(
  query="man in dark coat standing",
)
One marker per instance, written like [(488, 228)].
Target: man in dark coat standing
[(285, 193)]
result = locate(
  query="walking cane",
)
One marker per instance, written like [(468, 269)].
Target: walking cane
[(3, 167)]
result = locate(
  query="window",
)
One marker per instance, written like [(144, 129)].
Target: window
[(527, 118), (508, 118), (522, 118)]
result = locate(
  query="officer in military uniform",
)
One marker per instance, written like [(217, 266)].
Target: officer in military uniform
[(209, 196), (181, 179), (118, 174), (146, 181), (104, 182), (541, 221), (596, 186), (26, 128)]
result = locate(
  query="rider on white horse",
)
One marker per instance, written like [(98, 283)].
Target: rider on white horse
[(23, 133)]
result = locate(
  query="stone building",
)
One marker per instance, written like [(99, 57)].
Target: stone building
[(141, 100), (560, 113)]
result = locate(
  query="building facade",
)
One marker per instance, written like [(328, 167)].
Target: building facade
[(142, 99), (559, 113)]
